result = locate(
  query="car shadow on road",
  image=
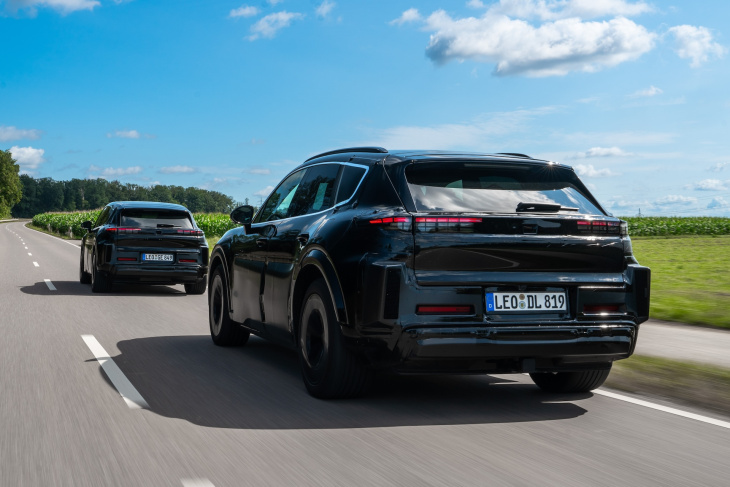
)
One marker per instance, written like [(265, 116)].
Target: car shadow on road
[(75, 288), (259, 386)]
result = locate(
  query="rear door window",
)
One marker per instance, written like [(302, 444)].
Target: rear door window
[(154, 218), (349, 181), (317, 190), (495, 188)]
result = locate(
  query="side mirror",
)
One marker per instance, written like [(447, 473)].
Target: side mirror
[(86, 226), (243, 215)]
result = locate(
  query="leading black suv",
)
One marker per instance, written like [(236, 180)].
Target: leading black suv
[(365, 259), (144, 242)]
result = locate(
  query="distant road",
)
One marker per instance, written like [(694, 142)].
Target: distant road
[(241, 417)]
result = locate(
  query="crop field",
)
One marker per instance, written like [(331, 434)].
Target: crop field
[(656, 226)]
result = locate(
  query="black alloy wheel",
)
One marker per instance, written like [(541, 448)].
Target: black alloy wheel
[(223, 330), (581, 381), (329, 369), (100, 281)]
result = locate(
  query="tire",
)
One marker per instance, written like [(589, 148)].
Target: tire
[(84, 277), (223, 330), (100, 281), (583, 381), (196, 287), (329, 369)]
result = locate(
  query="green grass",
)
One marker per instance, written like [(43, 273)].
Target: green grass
[(690, 278), (690, 383)]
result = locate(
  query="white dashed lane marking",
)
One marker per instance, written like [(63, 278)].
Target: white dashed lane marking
[(36, 264), (197, 483), (49, 284), (125, 388), (30, 254)]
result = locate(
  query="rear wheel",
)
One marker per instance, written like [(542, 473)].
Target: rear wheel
[(84, 277), (100, 280), (223, 330), (582, 381), (197, 287), (329, 369)]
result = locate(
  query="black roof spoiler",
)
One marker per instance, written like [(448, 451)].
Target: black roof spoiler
[(372, 150), (514, 154)]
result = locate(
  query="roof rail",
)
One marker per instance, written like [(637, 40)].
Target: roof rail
[(514, 154), (375, 150)]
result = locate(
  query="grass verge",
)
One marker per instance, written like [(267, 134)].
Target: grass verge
[(690, 278), (688, 383)]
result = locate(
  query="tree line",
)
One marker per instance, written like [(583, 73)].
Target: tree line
[(24, 196)]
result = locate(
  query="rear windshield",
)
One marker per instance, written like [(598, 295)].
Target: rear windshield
[(475, 187), (154, 218)]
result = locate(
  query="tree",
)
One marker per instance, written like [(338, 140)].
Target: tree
[(11, 190)]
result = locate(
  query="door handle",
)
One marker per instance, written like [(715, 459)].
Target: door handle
[(261, 242), (303, 238)]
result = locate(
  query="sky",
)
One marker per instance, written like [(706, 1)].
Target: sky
[(231, 96)]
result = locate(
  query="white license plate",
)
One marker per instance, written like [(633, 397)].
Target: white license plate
[(518, 302), (157, 257)]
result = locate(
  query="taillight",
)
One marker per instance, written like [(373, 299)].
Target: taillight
[(430, 309), (599, 227), (601, 308), (446, 224), (119, 230), (127, 259), (187, 261), (185, 231), (393, 222)]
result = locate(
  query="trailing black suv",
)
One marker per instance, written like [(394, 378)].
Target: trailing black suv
[(365, 259), (145, 242)]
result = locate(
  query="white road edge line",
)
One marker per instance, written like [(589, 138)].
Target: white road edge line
[(50, 284), (659, 407), (196, 483), (56, 238), (125, 388), (36, 264)]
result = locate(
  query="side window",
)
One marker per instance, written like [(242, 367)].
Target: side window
[(103, 216), (350, 179), (277, 206), (317, 190)]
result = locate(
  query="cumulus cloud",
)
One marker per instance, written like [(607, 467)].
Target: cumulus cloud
[(263, 193), (62, 6), (603, 152), (589, 171), (28, 158), (554, 48), (243, 11), (674, 199), (563, 9), (718, 202), (12, 133), (720, 166), (696, 43), (324, 9), (710, 185), (176, 169), (651, 91), (475, 4), (111, 172), (268, 26), (410, 15)]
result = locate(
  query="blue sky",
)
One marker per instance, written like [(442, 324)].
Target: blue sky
[(231, 96)]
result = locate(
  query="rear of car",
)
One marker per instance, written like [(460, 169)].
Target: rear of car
[(152, 243), (498, 265)]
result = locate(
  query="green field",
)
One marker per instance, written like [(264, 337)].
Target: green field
[(690, 278)]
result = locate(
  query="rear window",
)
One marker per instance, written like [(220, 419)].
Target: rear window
[(154, 218), (476, 187)]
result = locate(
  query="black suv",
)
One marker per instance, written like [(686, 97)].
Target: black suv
[(145, 242), (365, 259)]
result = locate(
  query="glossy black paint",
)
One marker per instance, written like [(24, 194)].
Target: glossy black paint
[(109, 246), (377, 276)]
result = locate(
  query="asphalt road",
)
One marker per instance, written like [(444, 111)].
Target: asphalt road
[(239, 417)]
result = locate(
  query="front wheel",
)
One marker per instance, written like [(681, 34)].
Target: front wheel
[(329, 369), (582, 381), (223, 330)]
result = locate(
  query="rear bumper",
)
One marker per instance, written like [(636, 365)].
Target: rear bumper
[(154, 274)]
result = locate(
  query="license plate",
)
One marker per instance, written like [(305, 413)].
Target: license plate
[(157, 257), (519, 302)]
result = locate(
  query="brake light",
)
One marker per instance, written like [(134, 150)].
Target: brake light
[(446, 224), (127, 259), (123, 230), (188, 260), (428, 309), (393, 222), (185, 231), (599, 227), (601, 308)]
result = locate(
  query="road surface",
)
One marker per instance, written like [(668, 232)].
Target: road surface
[(204, 415)]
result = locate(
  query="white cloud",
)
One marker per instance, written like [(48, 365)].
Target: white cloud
[(710, 185), (718, 202), (62, 6), (125, 134), (263, 193), (410, 15), (110, 172), (720, 166), (274, 2), (554, 48), (674, 199), (268, 26), (243, 11), (261, 171), (589, 171), (28, 158), (563, 9), (176, 169), (475, 4), (12, 133), (651, 91), (324, 8), (603, 152), (696, 43)]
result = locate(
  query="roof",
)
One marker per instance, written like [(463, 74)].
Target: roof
[(148, 204)]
